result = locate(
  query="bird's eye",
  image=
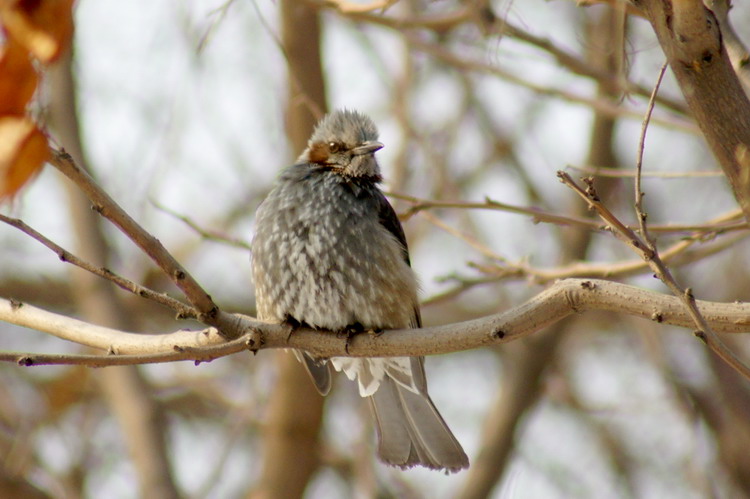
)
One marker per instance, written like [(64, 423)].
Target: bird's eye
[(334, 147)]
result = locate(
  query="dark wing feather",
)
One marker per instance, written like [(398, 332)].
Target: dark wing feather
[(388, 219)]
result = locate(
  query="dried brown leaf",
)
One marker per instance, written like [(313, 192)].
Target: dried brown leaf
[(43, 27), (23, 152), (18, 79)]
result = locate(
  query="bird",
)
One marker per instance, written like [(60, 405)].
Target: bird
[(329, 253)]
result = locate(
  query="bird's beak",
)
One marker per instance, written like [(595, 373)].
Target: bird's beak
[(368, 147)]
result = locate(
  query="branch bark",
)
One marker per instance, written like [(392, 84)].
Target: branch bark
[(102, 203), (562, 299), (690, 36)]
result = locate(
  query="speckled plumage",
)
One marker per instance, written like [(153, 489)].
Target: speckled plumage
[(329, 252), (311, 230)]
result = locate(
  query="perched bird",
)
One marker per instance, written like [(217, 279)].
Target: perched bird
[(330, 253)]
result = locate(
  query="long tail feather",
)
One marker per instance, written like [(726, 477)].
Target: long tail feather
[(411, 431), (319, 371)]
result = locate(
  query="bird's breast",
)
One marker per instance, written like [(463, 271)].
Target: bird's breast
[(322, 257)]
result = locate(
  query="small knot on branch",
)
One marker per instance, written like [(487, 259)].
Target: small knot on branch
[(25, 361), (498, 334), (590, 189)]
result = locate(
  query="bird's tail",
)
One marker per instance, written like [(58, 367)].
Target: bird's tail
[(318, 369), (410, 429)]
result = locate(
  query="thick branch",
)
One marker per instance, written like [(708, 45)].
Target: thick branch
[(689, 35), (555, 303)]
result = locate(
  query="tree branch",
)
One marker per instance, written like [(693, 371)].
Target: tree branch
[(650, 254), (723, 223), (690, 36), (560, 300), (209, 312), (183, 311)]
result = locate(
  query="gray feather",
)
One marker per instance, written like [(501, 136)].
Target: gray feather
[(329, 252), (319, 371), (411, 431)]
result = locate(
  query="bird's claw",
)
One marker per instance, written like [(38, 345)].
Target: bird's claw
[(349, 332), (352, 330), (293, 326)]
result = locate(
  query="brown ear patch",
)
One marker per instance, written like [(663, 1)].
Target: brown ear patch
[(319, 153)]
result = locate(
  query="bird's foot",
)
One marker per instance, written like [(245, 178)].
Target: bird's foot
[(293, 325), (352, 330), (349, 332)]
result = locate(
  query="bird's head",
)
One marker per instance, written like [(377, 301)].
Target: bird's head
[(345, 141)]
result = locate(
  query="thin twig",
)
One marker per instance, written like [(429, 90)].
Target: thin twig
[(208, 312), (198, 355), (183, 311), (463, 284), (507, 269), (722, 223), (418, 204), (662, 272), (603, 171), (471, 241), (441, 22), (606, 270), (583, 67), (600, 105), (309, 102), (640, 213), (705, 332), (207, 234), (218, 14)]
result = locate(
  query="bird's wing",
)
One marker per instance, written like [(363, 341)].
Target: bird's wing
[(388, 219)]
